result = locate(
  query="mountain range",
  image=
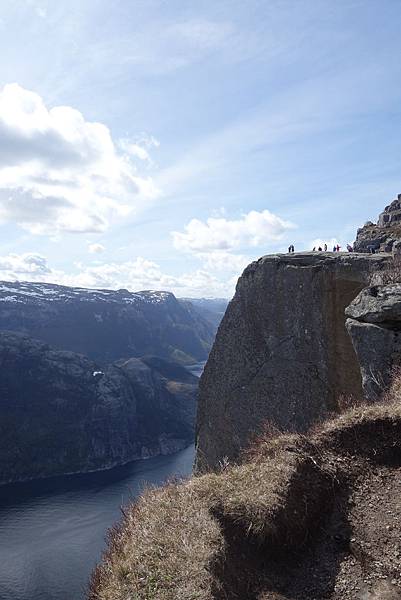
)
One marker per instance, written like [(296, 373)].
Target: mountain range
[(90, 379), (108, 325)]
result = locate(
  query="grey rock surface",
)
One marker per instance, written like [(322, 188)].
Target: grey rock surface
[(374, 324), (377, 304), (282, 353), (384, 235), (61, 412)]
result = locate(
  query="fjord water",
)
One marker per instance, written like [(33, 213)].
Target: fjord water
[(52, 531)]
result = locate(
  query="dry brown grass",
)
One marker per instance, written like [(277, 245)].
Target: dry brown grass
[(174, 542), (348, 402), (393, 392), (161, 549), (391, 273)]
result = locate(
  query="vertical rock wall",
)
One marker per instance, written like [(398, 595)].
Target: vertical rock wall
[(282, 352)]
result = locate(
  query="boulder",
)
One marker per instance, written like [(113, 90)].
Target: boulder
[(374, 324)]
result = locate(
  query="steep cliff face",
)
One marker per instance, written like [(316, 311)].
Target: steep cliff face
[(62, 413), (106, 324), (282, 353)]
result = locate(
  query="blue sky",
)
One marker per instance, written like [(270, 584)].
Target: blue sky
[(165, 144)]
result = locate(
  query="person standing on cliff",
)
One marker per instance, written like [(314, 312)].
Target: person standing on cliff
[(325, 247)]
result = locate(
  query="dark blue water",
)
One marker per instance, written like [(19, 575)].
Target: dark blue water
[(52, 531)]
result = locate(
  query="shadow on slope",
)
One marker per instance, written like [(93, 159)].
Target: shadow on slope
[(309, 517)]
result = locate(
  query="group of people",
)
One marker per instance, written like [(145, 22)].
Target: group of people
[(336, 248)]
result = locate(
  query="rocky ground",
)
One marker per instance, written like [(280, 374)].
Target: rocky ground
[(357, 550)]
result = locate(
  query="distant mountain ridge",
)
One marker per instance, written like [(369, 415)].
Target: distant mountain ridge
[(107, 324), (211, 309), (92, 378), (61, 412)]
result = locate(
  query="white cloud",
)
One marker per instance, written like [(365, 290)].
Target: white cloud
[(134, 275), (16, 266), (140, 147), (59, 172), (143, 274), (96, 248), (253, 229), (224, 261)]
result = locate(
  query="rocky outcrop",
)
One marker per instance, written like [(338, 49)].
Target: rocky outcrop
[(384, 235), (60, 412), (282, 353), (374, 323), (106, 325)]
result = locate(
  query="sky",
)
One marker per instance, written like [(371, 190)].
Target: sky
[(165, 144)]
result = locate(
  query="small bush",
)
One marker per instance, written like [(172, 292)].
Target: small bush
[(391, 273)]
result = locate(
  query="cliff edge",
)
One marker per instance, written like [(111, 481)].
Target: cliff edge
[(282, 353)]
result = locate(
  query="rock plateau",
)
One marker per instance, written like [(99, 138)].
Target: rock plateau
[(282, 353)]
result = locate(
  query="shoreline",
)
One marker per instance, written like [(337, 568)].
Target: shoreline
[(115, 465)]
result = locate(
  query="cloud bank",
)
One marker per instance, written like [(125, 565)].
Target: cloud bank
[(24, 266), (134, 275), (217, 234), (59, 172)]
